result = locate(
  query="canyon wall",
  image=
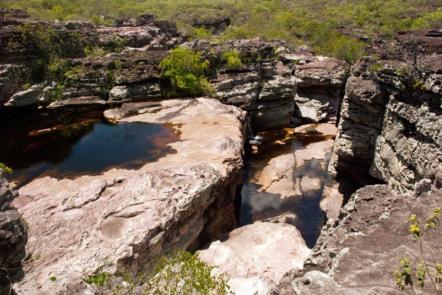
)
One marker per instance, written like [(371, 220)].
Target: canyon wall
[(391, 115)]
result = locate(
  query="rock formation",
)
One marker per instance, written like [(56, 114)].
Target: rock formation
[(122, 220), (391, 115), (13, 238), (244, 257), (358, 253)]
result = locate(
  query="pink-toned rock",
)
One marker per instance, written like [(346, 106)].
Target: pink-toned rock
[(255, 257), (123, 219)]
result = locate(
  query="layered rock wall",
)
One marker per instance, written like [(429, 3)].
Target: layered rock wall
[(391, 116)]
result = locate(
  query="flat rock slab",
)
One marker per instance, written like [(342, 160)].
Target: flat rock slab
[(255, 257), (123, 219)]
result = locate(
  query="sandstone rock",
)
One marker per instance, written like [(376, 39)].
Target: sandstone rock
[(13, 238), (319, 84), (239, 89), (244, 256), (136, 92), (12, 76), (359, 126), (30, 96), (78, 102), (357, 253), (122, 220)]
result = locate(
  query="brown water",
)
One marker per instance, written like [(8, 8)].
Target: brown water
[(87, 147), (302, 207)]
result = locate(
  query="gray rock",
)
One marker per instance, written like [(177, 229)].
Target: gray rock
[(12, 76), (28, 97), (13, 238), (135, 92), (357, 253), (78, 102)]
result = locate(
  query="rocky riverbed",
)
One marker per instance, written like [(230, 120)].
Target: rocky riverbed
[(122, 218), (115, 171)]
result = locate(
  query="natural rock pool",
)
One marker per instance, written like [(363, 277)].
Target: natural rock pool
[(89, 148), (287, 180)]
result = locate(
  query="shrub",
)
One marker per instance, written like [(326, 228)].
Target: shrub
[(201, 33), (232, 59), (94, 51), (5, 169), (185, 69), (182, 273), (412, 274)]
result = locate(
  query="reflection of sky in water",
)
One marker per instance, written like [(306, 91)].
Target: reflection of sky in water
[(304, 204), (105, 146)]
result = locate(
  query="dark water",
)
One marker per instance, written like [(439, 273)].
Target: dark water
[(87, 148), (302, 210)]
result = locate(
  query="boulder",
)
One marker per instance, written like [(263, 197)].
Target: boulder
[(12, 76), (244, 256), (122, 220), (31, 96)]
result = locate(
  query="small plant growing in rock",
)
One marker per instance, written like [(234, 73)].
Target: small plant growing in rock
[(94, 51), (414, 274), (100, 279), (5, 169), (232, 60), (182, 273), (186, 69)]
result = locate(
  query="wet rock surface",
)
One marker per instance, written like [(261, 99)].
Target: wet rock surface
[(13, 238), (122, 220), (287, 179)]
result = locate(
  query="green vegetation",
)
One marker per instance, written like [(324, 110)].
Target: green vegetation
[(5, 169), (330, 26), (232, 59), (411, 275), (186, 274), (179, 274), (185, 69), (100, 279)]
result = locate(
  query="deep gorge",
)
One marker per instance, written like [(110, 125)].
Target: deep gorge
[(117, 170)]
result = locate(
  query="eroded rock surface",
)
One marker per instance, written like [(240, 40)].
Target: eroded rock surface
[(122, 220), (13, 238), (357, 253), (391, 115), (255, 257)]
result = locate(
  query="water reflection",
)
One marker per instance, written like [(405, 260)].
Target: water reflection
[(286, 178), (89, 149)]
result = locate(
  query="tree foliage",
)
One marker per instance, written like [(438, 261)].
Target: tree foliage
[(185, 69)]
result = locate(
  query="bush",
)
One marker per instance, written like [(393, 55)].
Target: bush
[(185, 69), (5, 169), (185, 274), (182, 273), (232, 59)]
